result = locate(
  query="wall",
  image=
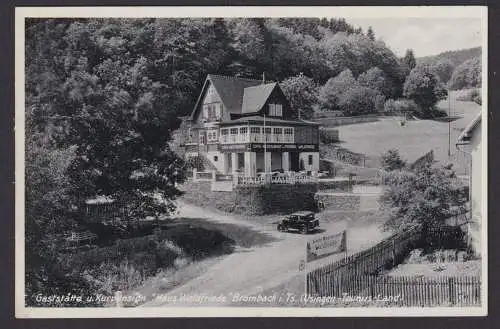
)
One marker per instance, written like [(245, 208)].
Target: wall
[(304, 156), (220, 164), (253, 200), (274, 199)]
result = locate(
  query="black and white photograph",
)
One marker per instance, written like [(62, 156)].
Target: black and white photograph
[(251, 161)]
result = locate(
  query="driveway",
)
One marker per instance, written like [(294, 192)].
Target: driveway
[(250, 271)]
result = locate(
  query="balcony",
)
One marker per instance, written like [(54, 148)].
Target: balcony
[(253, 134)]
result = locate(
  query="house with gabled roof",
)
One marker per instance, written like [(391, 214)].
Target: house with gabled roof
[(470, 142), (246, 126)]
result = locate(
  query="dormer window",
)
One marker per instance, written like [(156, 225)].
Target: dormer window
[(275, 110)]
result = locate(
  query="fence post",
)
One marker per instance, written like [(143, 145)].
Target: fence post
[(118, 298), (452, 291), (393, 252), (372, 286)]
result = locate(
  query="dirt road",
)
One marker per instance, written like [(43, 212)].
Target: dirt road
[(251, 271)]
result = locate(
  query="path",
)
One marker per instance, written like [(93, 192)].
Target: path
[(251, 271)]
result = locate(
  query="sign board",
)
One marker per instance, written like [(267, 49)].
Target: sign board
[(259, 147), (326, 245)]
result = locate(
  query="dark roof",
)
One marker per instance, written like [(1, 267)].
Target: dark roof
[(255, 97), (303, 213), (260, 120), (466, 134), (231, 90)]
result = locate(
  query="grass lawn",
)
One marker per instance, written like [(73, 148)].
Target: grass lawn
[(414, 139)]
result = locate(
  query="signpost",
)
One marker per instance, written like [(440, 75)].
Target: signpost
[(326, 245)]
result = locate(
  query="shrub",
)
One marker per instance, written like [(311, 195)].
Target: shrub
[(391, 160), (328, 136), (195, 162), (360, 100), (400, 106), (471, 95)]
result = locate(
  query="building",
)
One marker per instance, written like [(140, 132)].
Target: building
[(469, 142), (245, 126)]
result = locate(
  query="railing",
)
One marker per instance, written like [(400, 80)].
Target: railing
[(276, 179), (255, 137)]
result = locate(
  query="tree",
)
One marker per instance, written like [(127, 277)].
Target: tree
[(302, 92), (118, 108), (330, 93), (409, 60), (375, 79), (467, 75), (391, 160), (425, 89), (360, 100), (424, 195), (443, 69), (370, 34)]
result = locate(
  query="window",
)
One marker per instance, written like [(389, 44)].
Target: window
[(234, 131), (267, 132), (277, 134), (310, 159), (255, 130), (201, 137), (289, 135), (223, 132), (205, 111), (243, 130), (275, 110), (212, 135)]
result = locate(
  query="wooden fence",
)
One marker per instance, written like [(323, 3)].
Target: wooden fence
[(356, 275), (343, 275), (410, 291)]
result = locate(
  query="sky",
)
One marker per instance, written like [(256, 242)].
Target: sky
[(426, 36)]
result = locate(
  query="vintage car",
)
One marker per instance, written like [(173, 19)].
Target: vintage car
[(303, 221)]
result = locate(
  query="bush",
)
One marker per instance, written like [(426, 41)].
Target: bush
[(400, 106), (466, 75), (472, 95), (360, 100), (195, 162), (328, 136)]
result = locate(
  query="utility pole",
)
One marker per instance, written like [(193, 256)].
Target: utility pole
[(265, 145), (449, 125)]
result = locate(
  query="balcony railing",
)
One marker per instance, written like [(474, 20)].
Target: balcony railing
[(256, 138)]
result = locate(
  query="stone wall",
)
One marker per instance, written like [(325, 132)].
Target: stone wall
[(274, 199), (253, 200)]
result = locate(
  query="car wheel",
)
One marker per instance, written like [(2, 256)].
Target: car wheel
[(280, 228), (304, 230)]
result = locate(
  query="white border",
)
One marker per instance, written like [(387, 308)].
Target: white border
[(348, 12)]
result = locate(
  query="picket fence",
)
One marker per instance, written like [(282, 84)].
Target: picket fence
[(357, 275), (410, 291)]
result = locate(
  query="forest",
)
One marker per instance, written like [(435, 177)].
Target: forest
[(124, 63)]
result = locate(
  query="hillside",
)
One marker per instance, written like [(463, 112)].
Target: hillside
[(457, 57)]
